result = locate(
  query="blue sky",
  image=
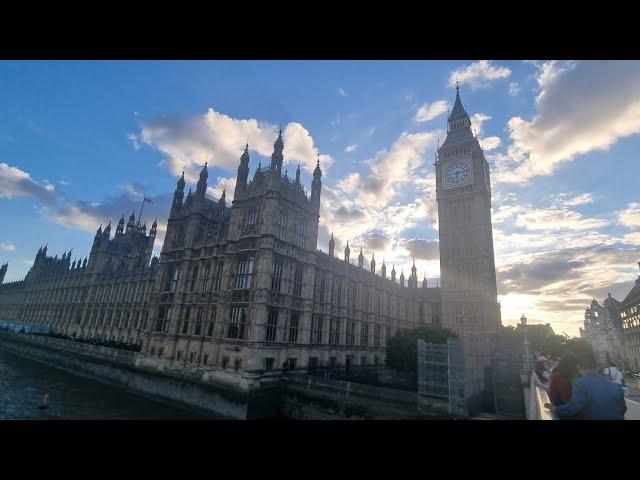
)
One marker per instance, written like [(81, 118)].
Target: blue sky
[(81, 142)]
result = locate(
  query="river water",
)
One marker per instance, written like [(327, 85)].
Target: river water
[(23, 382)]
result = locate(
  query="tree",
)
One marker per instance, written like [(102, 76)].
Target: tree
[(402, 348)]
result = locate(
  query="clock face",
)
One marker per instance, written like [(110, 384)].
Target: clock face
[(457, 173)]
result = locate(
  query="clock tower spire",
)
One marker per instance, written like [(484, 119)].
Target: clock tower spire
[(467, 265)]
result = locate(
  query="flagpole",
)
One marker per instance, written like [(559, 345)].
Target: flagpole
[(141, 207)]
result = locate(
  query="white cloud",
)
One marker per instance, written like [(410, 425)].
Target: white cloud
[(18, 183), (477, 121), (133, 138), (190, 141), (630, 217), (514, 89), (478, 74), (490, 143), (429, 111), (371, 131), (299, 147), (557, 218), (581, 107), (222, 184), (394, 166), (632, 238), (9, 247), (582, 199), (504, 212), (351, 148), (342, 92)]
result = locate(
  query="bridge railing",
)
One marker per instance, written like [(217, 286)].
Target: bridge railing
[(538, 398)]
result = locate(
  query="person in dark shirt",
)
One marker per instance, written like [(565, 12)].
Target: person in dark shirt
[(593, 396), (560, 381)]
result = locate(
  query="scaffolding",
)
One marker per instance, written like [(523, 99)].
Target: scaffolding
[(441, 373)]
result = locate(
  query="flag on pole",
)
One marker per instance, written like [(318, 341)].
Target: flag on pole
[(147, 200)]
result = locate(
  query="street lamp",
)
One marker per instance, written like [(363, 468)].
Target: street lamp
[(524, 373)]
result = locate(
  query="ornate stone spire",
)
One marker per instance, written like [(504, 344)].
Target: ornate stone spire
[(316, 185), (277, 156), (361, 258), (458, 108), (373, 262), (347, 251), (458, 118), (201, 188), (332, 245)]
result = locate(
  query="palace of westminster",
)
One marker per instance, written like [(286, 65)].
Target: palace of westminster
[(244, 288)]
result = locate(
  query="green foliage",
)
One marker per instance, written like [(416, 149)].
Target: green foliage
[(402, 348)]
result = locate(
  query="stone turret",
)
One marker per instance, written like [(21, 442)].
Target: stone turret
[(178, 196), (120, 227), (3, 272), (332, 245), (201, 188), (316, 185), (277, 157), (243, 173)]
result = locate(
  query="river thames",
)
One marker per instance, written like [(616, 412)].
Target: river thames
[(23, 382)]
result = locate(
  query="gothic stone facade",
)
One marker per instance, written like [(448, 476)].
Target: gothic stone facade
[(243, 287), (603, 330)]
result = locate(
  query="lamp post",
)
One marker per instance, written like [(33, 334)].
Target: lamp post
[(526, 364)]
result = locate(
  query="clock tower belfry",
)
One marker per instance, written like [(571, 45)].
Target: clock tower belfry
[(467, 265)]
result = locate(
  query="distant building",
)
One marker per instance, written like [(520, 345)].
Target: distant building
[(630, 318), (536, 333), (603, 330)]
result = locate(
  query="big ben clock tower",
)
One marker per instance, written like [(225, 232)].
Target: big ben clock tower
[(467, 266)]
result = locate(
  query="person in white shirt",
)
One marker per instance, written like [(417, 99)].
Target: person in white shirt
[(614, 374), (540, 375)]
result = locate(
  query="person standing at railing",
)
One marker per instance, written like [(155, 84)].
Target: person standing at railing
[(560, 381), (593, 397), (540, 375)]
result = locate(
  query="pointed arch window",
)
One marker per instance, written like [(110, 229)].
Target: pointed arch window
[(302, 234), (244, 272), (282, 225)]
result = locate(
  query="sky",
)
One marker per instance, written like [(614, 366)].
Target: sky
[(81, 142)]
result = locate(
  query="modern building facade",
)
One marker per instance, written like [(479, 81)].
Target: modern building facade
[(243, 288)]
